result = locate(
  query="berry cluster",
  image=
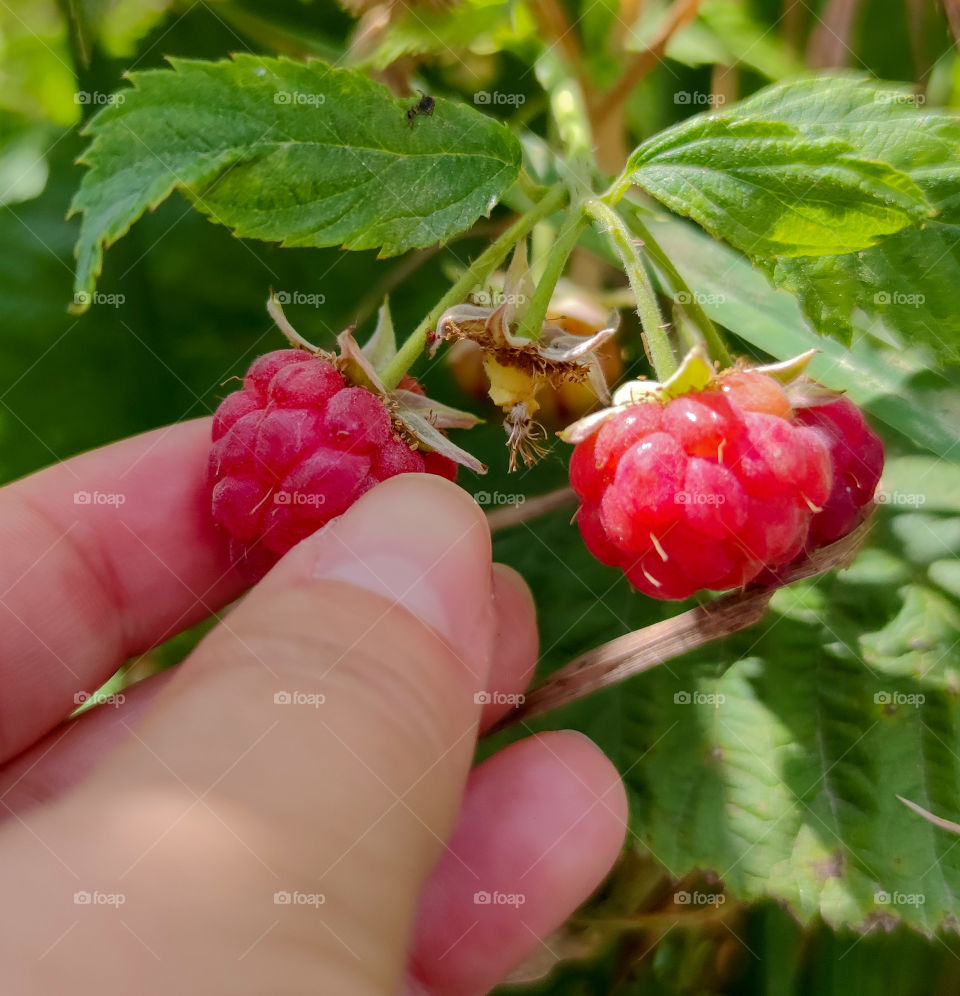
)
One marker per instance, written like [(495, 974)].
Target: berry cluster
[(711, 488), (296, 447)]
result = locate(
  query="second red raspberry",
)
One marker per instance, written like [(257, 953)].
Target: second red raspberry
[(704, 491)]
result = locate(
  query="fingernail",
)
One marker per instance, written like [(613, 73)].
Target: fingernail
[(423, 543)]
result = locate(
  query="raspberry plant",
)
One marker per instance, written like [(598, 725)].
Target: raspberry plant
[(775, 272)]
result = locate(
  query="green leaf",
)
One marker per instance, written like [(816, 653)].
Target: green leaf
[(775, 758), (771, 191), (894, 385), (883, 122), (908, 279), (905, 281), (781, 772), (301, 154)]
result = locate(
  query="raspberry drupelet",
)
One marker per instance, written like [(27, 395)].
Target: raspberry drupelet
[(295, 447), (714, 486)]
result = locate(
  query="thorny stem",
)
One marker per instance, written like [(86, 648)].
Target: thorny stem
[(531, 322), (647, 648), (693, 308), (479, 271), (654, 331)]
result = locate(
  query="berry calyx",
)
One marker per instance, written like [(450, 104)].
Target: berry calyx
[(295, 447)]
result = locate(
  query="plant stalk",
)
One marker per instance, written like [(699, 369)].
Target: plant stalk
[(479, 271), (693, 308), (531, 321), (660, 349)]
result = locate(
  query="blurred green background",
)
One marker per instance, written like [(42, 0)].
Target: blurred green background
[(182, 310)]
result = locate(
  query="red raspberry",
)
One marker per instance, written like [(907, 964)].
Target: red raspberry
[(856, 453), (703, 492), (295, 448)]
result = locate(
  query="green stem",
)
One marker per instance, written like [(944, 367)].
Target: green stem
[(611, 225), (529, 186), (531, 322), (479, 271), (693, 308), (542, 239)]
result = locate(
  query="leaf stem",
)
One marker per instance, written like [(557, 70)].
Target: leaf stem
[(693, 308), (611, 225), (479, 270), (529, 186), (531, 321)]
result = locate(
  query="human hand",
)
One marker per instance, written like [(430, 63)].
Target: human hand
[(187, 810)]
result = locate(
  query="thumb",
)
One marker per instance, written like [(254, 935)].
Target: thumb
[(284, 800)]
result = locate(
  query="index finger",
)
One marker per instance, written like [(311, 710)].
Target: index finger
[(105, 556)]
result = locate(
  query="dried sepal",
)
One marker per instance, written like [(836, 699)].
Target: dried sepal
[(517, 367), (296, 340), (419, 426)]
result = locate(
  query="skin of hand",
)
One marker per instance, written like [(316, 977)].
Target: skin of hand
[(292, 809)]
